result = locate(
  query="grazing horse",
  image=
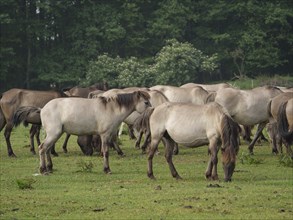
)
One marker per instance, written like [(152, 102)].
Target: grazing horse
[(208, 87), (280, 109), (248, 107), (195, 95), (80, 116), (194, 126), (13, 99)]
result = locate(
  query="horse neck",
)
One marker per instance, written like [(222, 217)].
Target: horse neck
[(121, 112)]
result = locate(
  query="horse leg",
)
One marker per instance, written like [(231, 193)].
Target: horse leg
[(175, 149), (131, 132), (64, 147), (152, 150), (260, 127), (37, 135), (211, 171), (138, 140), (96, 143), (272, 131), (7, 134), (44, 151), (53, 151), (33, 131), (169, 145), (147, 140), (115, 144), (105, 148)]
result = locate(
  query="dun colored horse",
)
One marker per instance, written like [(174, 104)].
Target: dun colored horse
[(195, 95), (15, 98), (208, 87), (194, 126), (248, 107), (280, 109), (103, 116)]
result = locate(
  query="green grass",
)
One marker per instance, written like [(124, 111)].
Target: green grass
[(78, 188)]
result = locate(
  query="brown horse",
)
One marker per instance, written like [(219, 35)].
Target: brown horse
[(194, 126), (84, 91), (15, 98)]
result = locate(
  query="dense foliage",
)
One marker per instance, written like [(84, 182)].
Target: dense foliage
[(66, 42)]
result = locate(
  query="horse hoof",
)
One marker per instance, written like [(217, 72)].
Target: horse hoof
[(12, 155), (107, 170), (215, 178), (55, 154), (33, 152), (43, 170), (178, 177), (151, 176)]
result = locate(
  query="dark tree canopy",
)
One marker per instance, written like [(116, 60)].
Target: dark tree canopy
[(62, 42)]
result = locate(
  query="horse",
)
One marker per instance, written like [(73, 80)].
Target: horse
[(248, 107), (195, 95), (208, 87), (31, 114), (13, 99), (103, 116), (281, 121), (84, 91), (156, 98), (194, 126)]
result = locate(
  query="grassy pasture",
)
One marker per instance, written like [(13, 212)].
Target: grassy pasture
[(262, 188)]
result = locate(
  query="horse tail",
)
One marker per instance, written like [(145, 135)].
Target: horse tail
[(283, 125), (142, 123), (27, 114), (230, 145), (2, 119), (211, 97)]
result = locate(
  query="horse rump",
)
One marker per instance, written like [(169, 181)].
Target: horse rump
[(27, 114)]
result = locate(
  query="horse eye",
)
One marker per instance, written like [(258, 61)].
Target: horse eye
[(146, 102)]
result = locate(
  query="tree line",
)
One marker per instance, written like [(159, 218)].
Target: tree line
[(142, 42)]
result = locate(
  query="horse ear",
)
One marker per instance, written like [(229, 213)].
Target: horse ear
[(143, 94)]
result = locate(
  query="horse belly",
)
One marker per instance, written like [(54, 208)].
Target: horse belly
[(189, 137)]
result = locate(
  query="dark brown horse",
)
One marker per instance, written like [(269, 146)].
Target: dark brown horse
[(13, 99), (84, 91)]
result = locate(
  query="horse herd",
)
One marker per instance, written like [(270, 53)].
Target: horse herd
[(191, 115)]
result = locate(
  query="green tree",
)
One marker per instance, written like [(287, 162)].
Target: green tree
[(178, 63)]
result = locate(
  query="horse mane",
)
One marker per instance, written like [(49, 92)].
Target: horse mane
[(125, 99), (283, 125), (230, 145)]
